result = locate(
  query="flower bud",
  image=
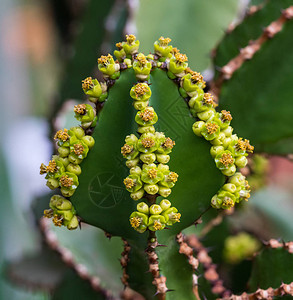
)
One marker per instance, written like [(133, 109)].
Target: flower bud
[(164, 192), (197, 127), (146, 129), (148, 158), (66, 192), (143, 208), (137, 195), (130, 163), (73, 159), (151, 189), (77, 131), (230, 171), (135, 170), (52, 183), (229, 187), (89, 141), (155, 209), (75, 169), (216, 150), (73, 223), (165, 204), (63, 151), (163, 158), (241, 161)]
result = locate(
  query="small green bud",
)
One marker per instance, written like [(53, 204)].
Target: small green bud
[(143, 208), (238, 179), (128, 62), (135, 170), (219, 140), (137, 195), (58, 202), (66, 192), (67, 215), (165, 204), (148, 158), (73, 223), (228, 131), (151, 189), (241, 161), (229, 187), (146, 129), (52, 183), (63, 151), (75, 169), (227, 142), (216, 150), (88, 140), (197, 127), (77, 131), (63, 160), (164, 192), (163, 158), (230, 171), (73, 159), (155, 209), (206, 115), (164, 169), (140, 105), (130, 163)]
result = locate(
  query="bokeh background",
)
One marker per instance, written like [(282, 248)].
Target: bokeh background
[(46, 48)]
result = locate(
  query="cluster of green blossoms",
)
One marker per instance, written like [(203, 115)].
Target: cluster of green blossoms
[(147, 157)]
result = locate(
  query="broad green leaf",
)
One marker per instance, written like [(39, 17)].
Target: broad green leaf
[(101, 198), (194, 26), (259, 95), (249, 29), (271, 268), (90, 247), (74, 287)]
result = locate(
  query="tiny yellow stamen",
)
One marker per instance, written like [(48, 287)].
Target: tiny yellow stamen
[(228, 202), (164, 41), (48, 213), (157, 225), (78, 149), (208, 99), (249, 148), (180, 58), (247, 186), (129, 183), (148, 142), (147, 115), (176, 217), (57, 220), (119, 45), (130, 38), (227, 159), (104, 60), (168, 143), (211, 127), (52, 167), (80, 109), (241, 145), (141, 59), (140, 89), (173, 177), (174, 51), (196, 77), (87, 84), (126, 149), (62, 135), (66, 181), (152, 173), (226, 116), (43, 169), (135, 222)]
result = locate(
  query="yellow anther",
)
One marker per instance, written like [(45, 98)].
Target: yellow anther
[(174, 51), (247, 186), (141, 59), (43, 169), (157, 225), (173, 177), (135, 222), (126, 149), (176, 217), (52, 167), (249, 148), (119, 45), (62, 135), (147, 115), (140, 89), (241, 145), (211, 127), (152, 173), (168, 143), (57, 220), (226, 116), (227, 159), (164, 41), (87, 84), (228, 202), (104, 60), (148, 142), (180, 58), (208, 99), (48, 213), (196, 77), (66, 181), (78, 149), (130, 38), (129, 183), (80, 109)]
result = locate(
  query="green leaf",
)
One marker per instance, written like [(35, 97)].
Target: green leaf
[(259, 95), (101, 198), (73, 287), (249, 29), (193, 25), (90, 247), (271, 268)]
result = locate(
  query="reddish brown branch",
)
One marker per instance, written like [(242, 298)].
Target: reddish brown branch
[(249, 51), (124, 261)]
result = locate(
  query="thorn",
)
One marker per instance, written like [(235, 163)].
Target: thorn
[(160, 245), (170, 290)]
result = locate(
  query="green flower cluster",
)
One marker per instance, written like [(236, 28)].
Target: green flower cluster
[(234, 191), (62, 212), (155, 217), (147, 157), (127, 49), (109, 68), (63, 170), (86, 115), (96, 91)]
